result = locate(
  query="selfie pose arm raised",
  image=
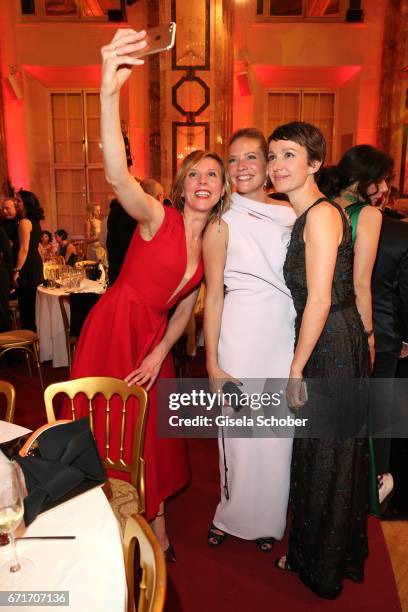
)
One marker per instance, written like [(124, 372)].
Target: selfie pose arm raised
[(116, 70)]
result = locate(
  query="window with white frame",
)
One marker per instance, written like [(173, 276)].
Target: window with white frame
[(310, 10), (77, 165), (313, 106)]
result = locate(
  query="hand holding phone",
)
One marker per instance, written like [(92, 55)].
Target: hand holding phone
[(160, 38)]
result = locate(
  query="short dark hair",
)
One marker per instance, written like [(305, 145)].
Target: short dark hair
[(362, 164), (47, 233), (304, 134), (62, 233), (254, 134), (32, 207)]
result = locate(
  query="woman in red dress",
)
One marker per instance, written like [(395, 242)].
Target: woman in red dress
[(128, 334)]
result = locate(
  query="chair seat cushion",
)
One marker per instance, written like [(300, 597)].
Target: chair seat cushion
[(124, 501), (18, 336)]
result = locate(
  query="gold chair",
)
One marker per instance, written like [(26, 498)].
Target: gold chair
[(14, 313), (26, 341), (70, 341), (126, 498), (152, 586), (9, 391)]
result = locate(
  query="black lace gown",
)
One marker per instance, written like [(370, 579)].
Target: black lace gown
[(329, 479)]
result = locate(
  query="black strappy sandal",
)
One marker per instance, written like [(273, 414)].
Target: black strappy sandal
[(216, 539), (265, 544)]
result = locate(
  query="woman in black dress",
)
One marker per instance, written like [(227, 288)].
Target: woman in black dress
[(28, 272), (329, 480)]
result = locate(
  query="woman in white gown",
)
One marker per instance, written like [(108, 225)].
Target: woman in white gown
[(249, 334)]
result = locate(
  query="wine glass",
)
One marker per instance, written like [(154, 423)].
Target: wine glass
[(11, 514)]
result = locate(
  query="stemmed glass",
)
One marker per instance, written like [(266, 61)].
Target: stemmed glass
[(11, 514)]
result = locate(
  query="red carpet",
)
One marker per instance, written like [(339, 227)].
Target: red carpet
[(236, 576)]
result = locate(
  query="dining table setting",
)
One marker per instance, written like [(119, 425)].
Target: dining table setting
[(49, 321), (69, 555)]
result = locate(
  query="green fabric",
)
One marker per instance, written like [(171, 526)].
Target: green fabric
[(353, 212), (373, 500)]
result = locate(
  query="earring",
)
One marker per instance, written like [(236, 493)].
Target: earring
[(266, 183), (220, 209)]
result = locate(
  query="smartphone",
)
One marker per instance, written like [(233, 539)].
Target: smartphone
[(158, 39), (235, 393)]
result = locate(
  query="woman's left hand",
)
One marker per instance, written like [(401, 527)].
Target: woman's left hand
[(16, 276), (295, 391), (148, 370)]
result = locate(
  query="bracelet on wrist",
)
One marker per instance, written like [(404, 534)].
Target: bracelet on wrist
[(17, 269), (369, 332)]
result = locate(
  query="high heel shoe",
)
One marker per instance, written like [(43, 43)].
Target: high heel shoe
[(386, 485), (169, 554)]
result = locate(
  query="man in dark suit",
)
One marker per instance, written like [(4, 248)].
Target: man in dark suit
[(9, 222), (390, 319), (120, 228)]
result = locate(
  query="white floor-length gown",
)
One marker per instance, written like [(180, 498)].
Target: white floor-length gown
[(256, 342)]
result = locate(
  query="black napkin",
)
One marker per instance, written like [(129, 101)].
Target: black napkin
[(65, 463)]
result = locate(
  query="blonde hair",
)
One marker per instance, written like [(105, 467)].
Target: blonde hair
[(90, 210), (178, 185)]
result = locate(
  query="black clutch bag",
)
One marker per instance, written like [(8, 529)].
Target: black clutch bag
[(59, 461)]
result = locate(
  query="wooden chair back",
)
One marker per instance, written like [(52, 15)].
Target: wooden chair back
[(109, 387), (152, 585), (9, 391)]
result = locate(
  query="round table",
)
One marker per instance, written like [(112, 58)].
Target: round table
[(50, 326), (90, 567)]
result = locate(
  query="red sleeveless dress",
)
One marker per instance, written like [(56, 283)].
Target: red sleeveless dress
[(124, 326)]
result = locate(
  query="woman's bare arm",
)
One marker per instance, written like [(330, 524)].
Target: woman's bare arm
[(215, 246), (116, 70), (365, 253), (322, 235), (149, 369)]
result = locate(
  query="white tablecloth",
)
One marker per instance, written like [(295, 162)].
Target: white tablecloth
[(90, 567), (50, 327)]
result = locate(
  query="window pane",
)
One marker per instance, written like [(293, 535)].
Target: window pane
[(58, 105), (291, 107), (75, 105), (92, 105), (98, 8), (57, 8), (59, 129), (320, 8), (94, 152), (93, 130), (286, 7)]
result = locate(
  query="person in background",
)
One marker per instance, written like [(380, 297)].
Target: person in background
[(6, 274), (95, 249), (358, 180), (390, 319), (46, 248), (359, 185), (28, 271), (9, 222), (65, 249), (153, 188), (388, 206), (120, 229)]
